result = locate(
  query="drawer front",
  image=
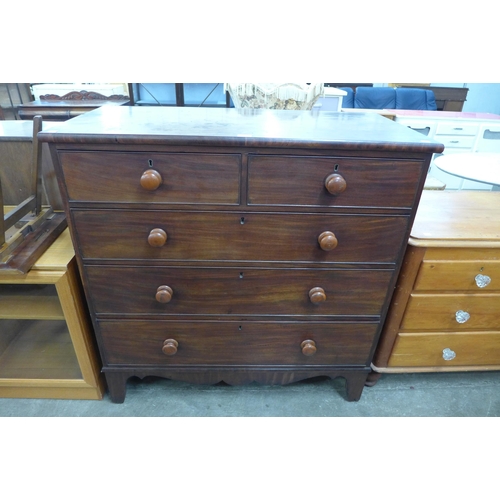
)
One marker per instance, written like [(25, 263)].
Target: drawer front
[(185, 178), (470, 276), (300, 181), (439, 312), (456, 129), (233, 343), (451, 141), (234, 291), (462, 349), (237, 236)]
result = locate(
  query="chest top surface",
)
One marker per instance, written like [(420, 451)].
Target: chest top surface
[(454, 218), (238, 127)]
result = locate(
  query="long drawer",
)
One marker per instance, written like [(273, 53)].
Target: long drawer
[(233, 343), (192, 236), (475, 276), (300, 181), (185, 178), (236, 291), (438, 312), (461, 349)]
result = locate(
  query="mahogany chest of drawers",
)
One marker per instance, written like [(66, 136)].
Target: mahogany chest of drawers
[(445, 312), (238, 245)]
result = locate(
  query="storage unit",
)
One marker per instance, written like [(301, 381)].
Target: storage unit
[(235, 245), (459, 133), (47, 346), (445, 313)]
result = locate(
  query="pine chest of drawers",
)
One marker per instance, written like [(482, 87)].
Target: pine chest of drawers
[(445, 312), (224, 245)]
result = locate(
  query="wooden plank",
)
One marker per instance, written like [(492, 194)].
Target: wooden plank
[(30, 307)]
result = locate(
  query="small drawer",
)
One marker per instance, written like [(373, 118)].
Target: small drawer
[(354, 182), (450, 141), (446, 349), (456, 129), (235, 343), (224, 236), (438, 312), (236, 291), (466, 276), (173, 178)]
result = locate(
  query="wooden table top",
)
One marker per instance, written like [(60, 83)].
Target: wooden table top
[(57, 256), (457, 219)]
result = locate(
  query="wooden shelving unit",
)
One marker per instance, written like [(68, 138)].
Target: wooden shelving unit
[(47, 346)]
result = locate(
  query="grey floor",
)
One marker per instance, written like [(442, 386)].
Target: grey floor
[(473, 394)]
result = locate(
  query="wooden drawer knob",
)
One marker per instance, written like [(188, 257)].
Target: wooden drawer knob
[(164, 294), (317, 295), (308, 347), (157, 237), (170, 347), (335, 184), (327, 241), (151, 180)]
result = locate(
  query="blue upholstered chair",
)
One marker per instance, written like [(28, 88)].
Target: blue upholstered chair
[(389, 98)]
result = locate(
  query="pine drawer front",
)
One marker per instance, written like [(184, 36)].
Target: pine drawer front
[(465, 276), (442, 312), (236, 291), (446, 349), (172, 178), (356, 182), (192, 236), (235, 343)]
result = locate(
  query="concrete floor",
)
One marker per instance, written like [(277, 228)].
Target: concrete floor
[(474, 394)]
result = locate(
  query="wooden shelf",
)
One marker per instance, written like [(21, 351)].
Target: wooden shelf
[(42, 308)]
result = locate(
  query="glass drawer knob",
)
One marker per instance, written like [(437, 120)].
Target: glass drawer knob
[(462, 316), (482, 280), (448, 354)]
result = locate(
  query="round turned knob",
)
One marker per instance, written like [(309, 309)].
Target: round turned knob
[(151, 180), (164, 294), (327, 241), (335, 184), (170, 347), (308, 347), (317, 295), (157, 237)]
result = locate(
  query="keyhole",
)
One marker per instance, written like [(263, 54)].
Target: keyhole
[(150, 163), (240, 328), (241, 275), (481, 270), (242, 220), (336, 167)]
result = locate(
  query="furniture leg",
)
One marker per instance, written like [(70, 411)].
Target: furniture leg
[(117, 385)]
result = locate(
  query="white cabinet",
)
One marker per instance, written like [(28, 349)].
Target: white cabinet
[(463, 133)]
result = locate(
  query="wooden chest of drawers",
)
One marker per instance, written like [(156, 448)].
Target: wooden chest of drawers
[(445, 313), (218, 244)]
